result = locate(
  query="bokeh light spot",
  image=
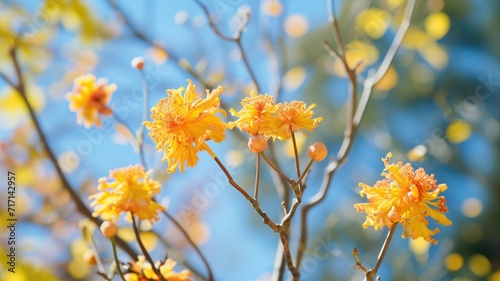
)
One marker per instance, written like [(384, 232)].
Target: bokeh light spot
[(68, 161), (417, 153), (288, 147), (454, 262), (471, 233), (272, 7), (296, 25), (294, 78), (458, 131), (373, 22), (479, 265), (437, 25), (435, 55), (388, 81), (419, 246), (234, 158), (495, 276), (78, 269), (157, 55), (472, 207)]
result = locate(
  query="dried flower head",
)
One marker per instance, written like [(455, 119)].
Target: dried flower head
[(407, 197)]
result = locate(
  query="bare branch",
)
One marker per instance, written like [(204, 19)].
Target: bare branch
[(354, 116)]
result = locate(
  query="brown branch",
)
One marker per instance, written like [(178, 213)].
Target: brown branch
[(80, 206), (255, 203), (383, 250), (354, 116)]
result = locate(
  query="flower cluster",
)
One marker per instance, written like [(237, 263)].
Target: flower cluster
[(131, 191), (142, 270), (89, 99), (182, 123), (407, 197), (261, 116)]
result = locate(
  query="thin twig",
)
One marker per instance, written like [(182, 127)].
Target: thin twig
[(145, 110), (144, 250), (115, 256), (257, 178), (255, 203), (383, 250), (80, 206), (193, 244), (288, 257), (236, 39), (271, 164), (296, 154), (354, 117), (137, 33)]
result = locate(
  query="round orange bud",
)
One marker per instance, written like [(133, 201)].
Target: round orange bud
[(109, 229), (257, 143), (137, 63), (317, 151), (89, 257)]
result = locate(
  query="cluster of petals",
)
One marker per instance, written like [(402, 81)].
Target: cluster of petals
[(128, 190), (406, 197), (183, 122), (89, 98), (261, 116), (142, 270)]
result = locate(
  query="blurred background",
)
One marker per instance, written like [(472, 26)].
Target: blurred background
[(437, 107)]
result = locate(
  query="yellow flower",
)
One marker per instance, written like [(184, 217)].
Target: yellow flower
[(127, 190), (407, 197), (292, 117), (182, 124), (89, 98), (256, 115), (142, 270)]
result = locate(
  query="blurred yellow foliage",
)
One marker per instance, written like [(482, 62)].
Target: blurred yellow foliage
[(357, 52), (288, 147), (458, 131), (373, 22), (389, 80), (454, 262), (13, 109), (437, 24), (479, 265), (294, 78)]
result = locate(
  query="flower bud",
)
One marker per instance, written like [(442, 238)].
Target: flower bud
[(317, 151), (109, 229), (137, 63), (89, 257), (257, 143)]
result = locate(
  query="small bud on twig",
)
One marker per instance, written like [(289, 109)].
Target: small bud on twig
[(109, 229), (317, 151)]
